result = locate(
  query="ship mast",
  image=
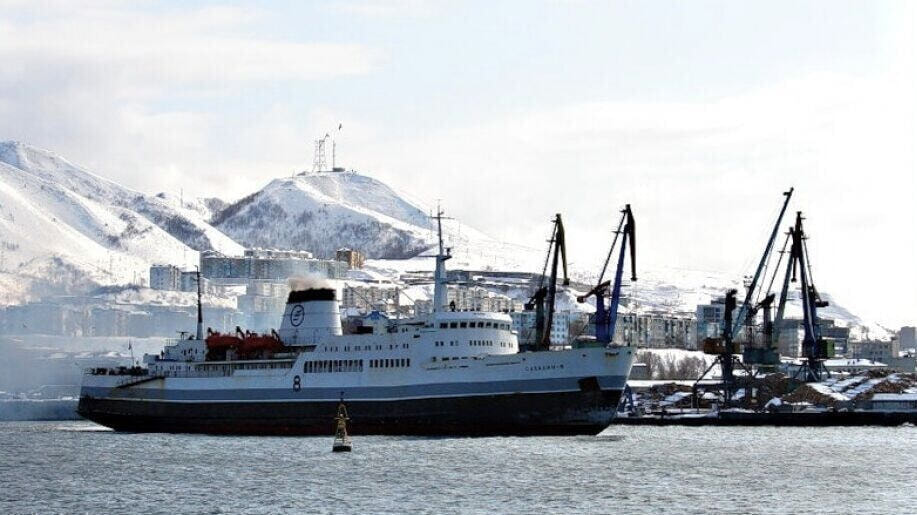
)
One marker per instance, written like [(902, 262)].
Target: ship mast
[(200, 314), (440, 294)]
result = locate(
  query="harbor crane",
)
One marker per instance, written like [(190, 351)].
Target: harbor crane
[(725, 347), (815, 349), (605, 320), (725, 350), (747, 308), (765, 355), (542, 301)]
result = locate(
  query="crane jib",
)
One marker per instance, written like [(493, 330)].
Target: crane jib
[(740, 319)]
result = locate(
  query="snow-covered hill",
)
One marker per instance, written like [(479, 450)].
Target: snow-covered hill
[(63, 229), (187, 223), (324, 211)]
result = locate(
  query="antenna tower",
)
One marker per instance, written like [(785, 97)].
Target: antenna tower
[(319, 163)]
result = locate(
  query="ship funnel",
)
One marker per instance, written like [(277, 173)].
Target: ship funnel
[(311, 316)]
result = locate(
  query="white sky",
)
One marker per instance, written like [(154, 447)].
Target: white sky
[(698, 114)]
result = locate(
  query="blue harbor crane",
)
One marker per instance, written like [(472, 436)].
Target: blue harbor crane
[(605, 320), (543, 300)]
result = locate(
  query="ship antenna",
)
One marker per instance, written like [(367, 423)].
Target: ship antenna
[(439, 280), (200, 313)]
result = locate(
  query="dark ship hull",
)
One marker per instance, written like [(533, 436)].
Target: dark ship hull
[(584, 412)]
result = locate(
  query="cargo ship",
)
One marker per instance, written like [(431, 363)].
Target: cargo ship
[(443, 373)]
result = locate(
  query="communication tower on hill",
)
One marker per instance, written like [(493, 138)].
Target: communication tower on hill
[(319, 161)]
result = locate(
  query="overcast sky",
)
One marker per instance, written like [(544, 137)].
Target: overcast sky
[(699, 114)]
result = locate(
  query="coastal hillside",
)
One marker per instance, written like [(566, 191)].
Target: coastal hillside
[(64, 230)]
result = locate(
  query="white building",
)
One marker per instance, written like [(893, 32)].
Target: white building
[(565, 326), (475, 298), (656, 330), (366, 298)]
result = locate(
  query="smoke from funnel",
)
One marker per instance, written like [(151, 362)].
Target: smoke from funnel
[(309, 282)]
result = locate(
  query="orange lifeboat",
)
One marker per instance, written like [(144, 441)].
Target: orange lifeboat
[(217, 341), (254, 342)]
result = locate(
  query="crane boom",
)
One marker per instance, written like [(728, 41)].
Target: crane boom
[(605, 320), (746, 304), (543, 300), (560, 250), (629, 232)]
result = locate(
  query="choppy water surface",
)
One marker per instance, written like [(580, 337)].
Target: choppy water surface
[(77, 467)]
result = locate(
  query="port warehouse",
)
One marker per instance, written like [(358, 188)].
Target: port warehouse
[(263, 275)]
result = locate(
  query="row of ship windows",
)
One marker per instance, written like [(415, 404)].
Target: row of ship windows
[(333, 365), (473, 343), (351, 365), (471, 325), (390, 363), (347, 348)]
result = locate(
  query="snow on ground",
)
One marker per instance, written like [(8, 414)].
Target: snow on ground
[(828, 391)]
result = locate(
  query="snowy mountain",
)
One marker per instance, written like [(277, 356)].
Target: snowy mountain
[(187, 223), (325, 211), (63, 229)]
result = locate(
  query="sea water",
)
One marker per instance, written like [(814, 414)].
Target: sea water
[(80, 467)]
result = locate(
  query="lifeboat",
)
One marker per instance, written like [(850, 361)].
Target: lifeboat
[(218, 341), (254, 342)]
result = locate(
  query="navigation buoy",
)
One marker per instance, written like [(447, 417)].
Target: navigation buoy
[(341, 440)]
